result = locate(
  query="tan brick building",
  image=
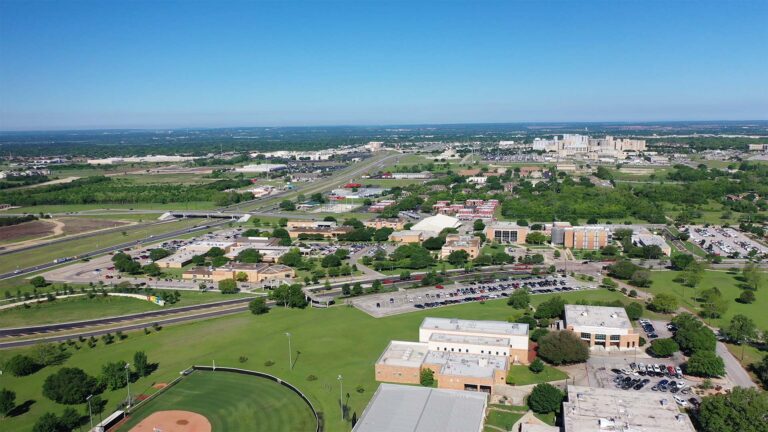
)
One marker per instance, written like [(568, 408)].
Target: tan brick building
[(455, 242), (599, 326), (506, 233), (260, 273), (581, 237), (378, 223), (463, 354)]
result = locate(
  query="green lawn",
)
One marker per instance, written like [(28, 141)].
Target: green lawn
[(502, 419), (725, 282), (520, 375), (326, 343), (233, 402), (83, 308), (65, 208)]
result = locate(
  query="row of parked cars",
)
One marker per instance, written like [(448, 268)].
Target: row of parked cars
[(659, 370), (649, 329)]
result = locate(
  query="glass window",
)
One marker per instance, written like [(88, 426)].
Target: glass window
[(600, 337), (586, 336), (616, 338)]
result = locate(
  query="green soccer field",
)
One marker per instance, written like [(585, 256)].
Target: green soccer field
[(233, 402)]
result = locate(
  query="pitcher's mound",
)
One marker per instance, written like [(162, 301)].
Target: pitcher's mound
[(173, 421)]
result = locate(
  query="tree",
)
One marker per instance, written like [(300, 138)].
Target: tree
[(258, 306), (519, 299), (692, 335), (640, 278), (47, 354), (552, 308), (705, 364), (535, 238), (761, 370), (681, 261), (609, 284), (427, 377), (113, 375), (664, 303), (741, 410), (215, 252), (563, 347), (693, 273), (545, 398), (753, 277), (434, 243), (527, 319), (287, 205), (48, 422), (382, 234), (478, 225), (69, 386), (249, 256), (38, 282), (357, 289), (331, 260), (342, 253), (458, 257), (746, 297), (634, 311), (70, 419), (664, 347), (241, 277), (292, 258), (7, 401), (228, 286), (21, 365), (536, 366), (741, 330), (141, 364), (158, 253), (152, 269), (713, 305)]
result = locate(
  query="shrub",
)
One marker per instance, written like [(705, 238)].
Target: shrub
[(427, 377), (563, 347), (536, 366), (545, 398), (664, 347), (269, 363), (705, 364), (21, 365), (311, 378)]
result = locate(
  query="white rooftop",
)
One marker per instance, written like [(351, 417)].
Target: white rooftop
[(591, 409), (473, 326), (470, 340), (401, 408), (596, 316), (408, 354), (465, 364), (437, 223)]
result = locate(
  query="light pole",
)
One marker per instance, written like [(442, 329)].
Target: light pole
[(90, 411), (341, 395), (290, 354), (128, 381)]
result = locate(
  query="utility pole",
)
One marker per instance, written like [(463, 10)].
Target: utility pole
[(290, 353), (341, 395), (90, 411)]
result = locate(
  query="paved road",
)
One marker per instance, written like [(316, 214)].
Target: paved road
[(154, 238), (48, 328), (218, 313), (733, 370)]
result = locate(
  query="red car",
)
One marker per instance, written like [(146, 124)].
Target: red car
[(439, 286)]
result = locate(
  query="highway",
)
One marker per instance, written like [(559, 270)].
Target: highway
[(154, 238)]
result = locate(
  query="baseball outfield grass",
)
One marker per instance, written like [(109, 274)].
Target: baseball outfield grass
[(325, 343), (233, 402)]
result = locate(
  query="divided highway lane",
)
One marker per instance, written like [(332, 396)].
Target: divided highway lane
[(22, 331), (108, 249), (213, 314)]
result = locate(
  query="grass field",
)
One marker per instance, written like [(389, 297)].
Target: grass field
[(326, 343), (725, 282), (83, 308), (78, 246), (233, 402), (67, 208), (501, 419), (520, 375)]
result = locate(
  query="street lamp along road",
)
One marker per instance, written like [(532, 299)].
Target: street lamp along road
[(341, 395), (290, 353)]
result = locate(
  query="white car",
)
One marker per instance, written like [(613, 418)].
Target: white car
[(680, 401)]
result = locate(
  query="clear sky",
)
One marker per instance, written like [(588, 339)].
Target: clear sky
[(111, 64)]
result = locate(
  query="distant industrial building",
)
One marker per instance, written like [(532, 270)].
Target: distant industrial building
[(325, 228), (378, 223), (261, 274), (463, 354), (570, 145), (640, 239), (261, 168), (599, 326), (435, 224), (141, 159), (400, 408), (506, 233)]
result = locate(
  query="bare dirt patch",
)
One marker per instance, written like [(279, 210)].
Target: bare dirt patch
[(173, 421), (81, 225), (26, 230), (159, 386)]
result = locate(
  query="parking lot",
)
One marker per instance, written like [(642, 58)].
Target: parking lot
[(409, 300), (726, 242)]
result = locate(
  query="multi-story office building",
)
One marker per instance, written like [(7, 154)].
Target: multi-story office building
[(455, 242), (506, 232), (581, 237)]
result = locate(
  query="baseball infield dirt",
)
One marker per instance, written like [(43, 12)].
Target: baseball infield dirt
[(173, 421)]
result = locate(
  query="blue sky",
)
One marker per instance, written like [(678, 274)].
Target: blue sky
[(105, 64)]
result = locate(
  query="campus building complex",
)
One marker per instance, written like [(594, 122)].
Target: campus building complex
[(506, 232), (599, 326), (262, 274), (581, 237), (316, 228), (570, 145), (463, 354), (455, 242)]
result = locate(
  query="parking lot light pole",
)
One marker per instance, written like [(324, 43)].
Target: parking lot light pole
[(290, 354), (128, 381), (90, 411), (341, 395)]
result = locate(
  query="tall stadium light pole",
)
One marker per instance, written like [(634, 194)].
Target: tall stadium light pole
[(290, 354), (90, 411), (341, 395), (128, 381)]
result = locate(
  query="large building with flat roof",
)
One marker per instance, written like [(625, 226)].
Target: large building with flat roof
[(600, 326), (463, 354), (456, 242), (399, 408), (506, 232), (591, 237), (591, 409)]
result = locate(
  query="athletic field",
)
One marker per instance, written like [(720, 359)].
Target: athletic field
[(232, 402)]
